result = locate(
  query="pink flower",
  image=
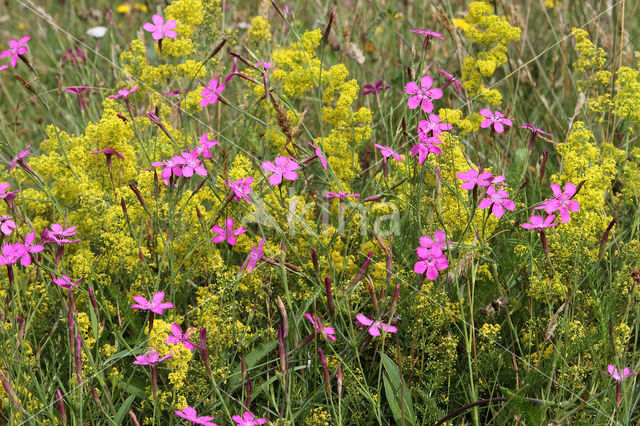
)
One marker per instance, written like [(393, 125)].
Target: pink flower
[(499, 201), (619, 376), (124, 93), (452, 80), (283, 167), (152, 358), (432, 125), (430, 261), (229, 234), (7, 225), (496, 119), (474, 177), (4, 67), (109, 152), (375, 88), (172, 167), (30, 248), (248, 419), (319, 328), (562, 201), (80, 91), (234, 70), (320, 156), (428, 35), (375, 327), (192, 415), (241, 188), (255, 254), (538, 222), (19, 158), (155, 305), (423, 94), (65, 282), (13, 252), (16, 49), (342, 195), (263, 64), (7, 196), (211, 92), (388, 152), (177, 336), (205, 145), (159, 29), (192, 164), (58, 235), (427, 243), (534, 129), (423, 148)]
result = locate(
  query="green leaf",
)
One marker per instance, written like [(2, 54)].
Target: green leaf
[(122, 412), (251, 359), (397, 392)]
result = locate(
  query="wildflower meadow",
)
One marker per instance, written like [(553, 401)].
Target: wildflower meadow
[(290, 212)]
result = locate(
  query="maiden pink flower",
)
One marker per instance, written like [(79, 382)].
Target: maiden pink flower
[(58, 235), (255, 254), (152, 358), (156, 305), (432, 125), (375, 88), (7, 225), (538, 222), (66, 282), (19, 159), (320, 156), (619, 376), (423, 148), (172, 167), (428, 35), (11, 253), (228, 233), (342, 195), (30, 248), (205, 145), (211, 93), (473, 177), (241, 188), (80, 92), (427, 243), (192, 164), (423, 94), (108, 152), (497, 199), (497, 119), (177, 336), (389, 152), (8, 197), (562, 201), (534, 129), (452, 80), (248, 419), (329, 332), (430, 261), (159, 29), (16, 49), (375, 327), (191, 414), (124, 93), (283, 168)]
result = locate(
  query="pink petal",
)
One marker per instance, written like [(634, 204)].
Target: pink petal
[(426, 82), (411, 88), (414, 101)]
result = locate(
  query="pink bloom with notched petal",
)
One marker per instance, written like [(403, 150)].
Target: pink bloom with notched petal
[(66, 282), (211, 93), (562, 201), (241, 188), (498, 180), (159, 29), (538, 222), (177, 336), (342, 195), (427, 243), (422, 95), (423, 148), (58, 235), (156, 305), (534, 129), (497, 199), (248, 419), (619, 376), (124, 93), (389, 152), (375, 88), (205, 145), (427, 33), (30, 248), (191, 414), (7, 225), (16, 49), (283, 168), (263, 64), (495, 119), (18, 159), (228, 233), (473, 177), (329, 332), (109, 152), (375, 327), (255, 254), (172, 167), (192, 164), (152, 358), (451, 79), (432, 125), (320, 156), (11, 253), (8, 196), (430, 261)]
